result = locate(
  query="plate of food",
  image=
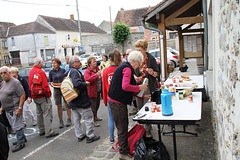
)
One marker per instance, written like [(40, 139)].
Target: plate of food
[(56, 85)]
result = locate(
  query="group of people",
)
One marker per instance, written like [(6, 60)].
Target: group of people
[(118, 79)]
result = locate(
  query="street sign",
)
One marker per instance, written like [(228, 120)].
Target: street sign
[(80, 49)]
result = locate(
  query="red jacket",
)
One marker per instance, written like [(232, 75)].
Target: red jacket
[(106, 81), (91, 77), (45, 85)]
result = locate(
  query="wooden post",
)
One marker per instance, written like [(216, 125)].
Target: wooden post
[(162, 27), (180, 38)]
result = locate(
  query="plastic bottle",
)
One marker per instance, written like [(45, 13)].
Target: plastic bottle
[(166, 103)]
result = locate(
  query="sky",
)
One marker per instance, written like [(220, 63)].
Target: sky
[(93, 11)]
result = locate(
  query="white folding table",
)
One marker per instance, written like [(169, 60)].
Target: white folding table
[(184, 113)]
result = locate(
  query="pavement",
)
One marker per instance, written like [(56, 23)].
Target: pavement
[(189, 147)]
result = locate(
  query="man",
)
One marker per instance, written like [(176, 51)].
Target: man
[(81, 106), (4, 146), (12, 97), (148, 69), (67, 64), (43, 102), (26, 110)]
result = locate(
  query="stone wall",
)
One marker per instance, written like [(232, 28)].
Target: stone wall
[(226, 77)]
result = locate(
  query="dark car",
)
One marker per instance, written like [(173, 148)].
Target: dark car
[(47, 66), (24, 72)]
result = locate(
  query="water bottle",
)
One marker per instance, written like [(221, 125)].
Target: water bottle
[(166, 103), (140, 93)]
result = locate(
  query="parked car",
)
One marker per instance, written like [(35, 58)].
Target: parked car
[(172, 55), (47, 66), (83, 58), (24, 72)]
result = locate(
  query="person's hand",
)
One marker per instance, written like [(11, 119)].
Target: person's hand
[(143, 87), (150, 71), (29, 100), (99, 73), (148, 96), (1, 109), (88, 83), (18, 112), (138, 79)]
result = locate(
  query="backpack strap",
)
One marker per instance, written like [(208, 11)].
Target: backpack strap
[(77, 71)]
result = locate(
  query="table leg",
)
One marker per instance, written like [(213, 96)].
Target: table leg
[(174, 142), (160, 140)]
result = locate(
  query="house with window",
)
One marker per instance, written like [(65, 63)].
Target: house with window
[(67, 33), (4, 57), (27, 41)]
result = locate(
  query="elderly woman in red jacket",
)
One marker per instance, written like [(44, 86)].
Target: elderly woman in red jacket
[(93, 75)]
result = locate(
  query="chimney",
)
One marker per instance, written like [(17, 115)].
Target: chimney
[(72, 17)]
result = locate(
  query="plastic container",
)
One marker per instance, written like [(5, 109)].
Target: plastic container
[(166, 103)]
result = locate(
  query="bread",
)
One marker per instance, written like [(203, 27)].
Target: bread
[(184, 76)]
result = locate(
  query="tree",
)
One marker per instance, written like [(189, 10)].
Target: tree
[(121, 33)]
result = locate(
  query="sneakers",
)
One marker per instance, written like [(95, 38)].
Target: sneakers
[(90, 140), (96, 124), (61, 125), (69, 122), (18, 147), (52, 135), (34, 122), (15, 142), (81, 139), (125, 157), (134, 111), (98, 119), (111, 140)]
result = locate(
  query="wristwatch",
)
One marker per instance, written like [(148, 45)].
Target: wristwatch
[(20, 108)]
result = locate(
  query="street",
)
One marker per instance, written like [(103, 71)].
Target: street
[(65, 146)]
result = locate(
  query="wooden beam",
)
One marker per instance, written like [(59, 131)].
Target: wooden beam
[(185, 20), (193, 30), (183, 9), (173, 28), (180, 40)]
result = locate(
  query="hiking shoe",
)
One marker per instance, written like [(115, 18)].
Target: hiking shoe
[(90, 140), (81, 139), (134, 111), (15, 142), (69, 122), (96, 124), (111, 140), (98, 119), (125, 157), (18, 147), (52, 135), (34, 122), (61, 125)]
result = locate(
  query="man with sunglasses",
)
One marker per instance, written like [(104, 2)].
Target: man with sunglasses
[(12, 97)]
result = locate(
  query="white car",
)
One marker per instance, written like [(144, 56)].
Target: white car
[(83, 58), (172, 55)]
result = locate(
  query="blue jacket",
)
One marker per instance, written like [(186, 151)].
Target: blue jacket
[(56, 76), (25, 85), (83, 100)]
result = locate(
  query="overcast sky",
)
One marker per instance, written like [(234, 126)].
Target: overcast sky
[(93, 11)]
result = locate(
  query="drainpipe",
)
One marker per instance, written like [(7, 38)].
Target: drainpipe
[(161, 48), (204, 4)]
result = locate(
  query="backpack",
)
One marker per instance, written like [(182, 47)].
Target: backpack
[(36, 86), (67, 89), (133, 137)]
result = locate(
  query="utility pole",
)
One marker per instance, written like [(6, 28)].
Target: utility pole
[(79, 25), (110, 18)]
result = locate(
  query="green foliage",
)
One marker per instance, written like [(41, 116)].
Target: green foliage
[(151, 25), (121, 32)]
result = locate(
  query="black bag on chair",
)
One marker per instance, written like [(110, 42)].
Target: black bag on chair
[(149, 149), (184, 68)]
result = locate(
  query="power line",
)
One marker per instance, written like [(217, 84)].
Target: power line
[(37, 3)]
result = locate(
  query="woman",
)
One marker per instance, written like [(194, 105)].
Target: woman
[(93, 75), (122, 88), (148, 69), (105, 63), (56, 76), (115, 61)]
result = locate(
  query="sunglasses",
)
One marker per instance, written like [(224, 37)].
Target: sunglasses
[(3, 73)]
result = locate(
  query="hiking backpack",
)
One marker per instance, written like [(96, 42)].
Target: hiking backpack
[(67, 89), (36, 86)]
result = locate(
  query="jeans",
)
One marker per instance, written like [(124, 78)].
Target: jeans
[(20, 136), (111, 126)]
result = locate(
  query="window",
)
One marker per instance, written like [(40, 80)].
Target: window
[(172, 35), (154, 38), (46, 40), (140, 29), (13, 41), (4, 44), (6, 59), (153, 32)]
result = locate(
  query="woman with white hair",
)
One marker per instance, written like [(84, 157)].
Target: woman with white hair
[(122, 89), (26, 110)]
